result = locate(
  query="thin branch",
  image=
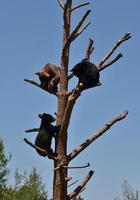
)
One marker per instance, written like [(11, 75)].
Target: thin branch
[(80, 5), (39, 149), (75, 31), (81, 186), (61, 4), (82, 190), (68, 178), (73, 183), (90, 49), (127, 36), (32, 130), (99, 133), (81, 30), (78, 167), (39, 85), (120, 55)]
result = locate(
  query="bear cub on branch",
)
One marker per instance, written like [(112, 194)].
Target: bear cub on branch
[(87, 74), (49, 76), (46, 132)]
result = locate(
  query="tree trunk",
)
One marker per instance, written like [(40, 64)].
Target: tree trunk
[(59, 182)]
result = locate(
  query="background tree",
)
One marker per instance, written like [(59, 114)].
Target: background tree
[(67, 100), (128, 192), (3, 169), (27, 186)]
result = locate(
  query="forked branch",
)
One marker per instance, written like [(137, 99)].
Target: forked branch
[(120, 55), (99, 133), (81, 186), (79, 25), (39, 149), (80, 5), (84, 27), (127, 36)]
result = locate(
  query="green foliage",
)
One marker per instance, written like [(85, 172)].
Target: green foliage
[(27, 187), (3, 170)]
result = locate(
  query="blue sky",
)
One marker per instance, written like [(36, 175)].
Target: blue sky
[(30, 36)]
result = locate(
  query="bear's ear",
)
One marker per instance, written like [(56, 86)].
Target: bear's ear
[(37, 73), (47, 75), (40, 116)]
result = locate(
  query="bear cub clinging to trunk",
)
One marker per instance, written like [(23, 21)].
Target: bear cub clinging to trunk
[(46, 132)]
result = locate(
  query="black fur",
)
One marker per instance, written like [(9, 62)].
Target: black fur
[(46, 133), (87, 74)]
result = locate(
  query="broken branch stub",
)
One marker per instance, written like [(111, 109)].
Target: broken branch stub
[(81, 186)]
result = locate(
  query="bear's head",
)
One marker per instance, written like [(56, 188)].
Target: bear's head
[(47, 118)]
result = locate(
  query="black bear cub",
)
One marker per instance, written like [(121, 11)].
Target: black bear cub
[(46, 132), (49, 76), (87, 74)]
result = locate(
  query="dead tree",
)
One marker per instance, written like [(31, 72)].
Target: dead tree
[(67, 100)]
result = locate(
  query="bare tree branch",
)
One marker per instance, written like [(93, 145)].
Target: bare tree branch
[(127, 36), (32, 130), (99, 133), (84, 27), (120, 55), (39, 85), (61, 165), (39, 149), (61, 4), (78, 167), (73, 183), (80, 5), (90, 49), (74, 32), (81, 186)]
